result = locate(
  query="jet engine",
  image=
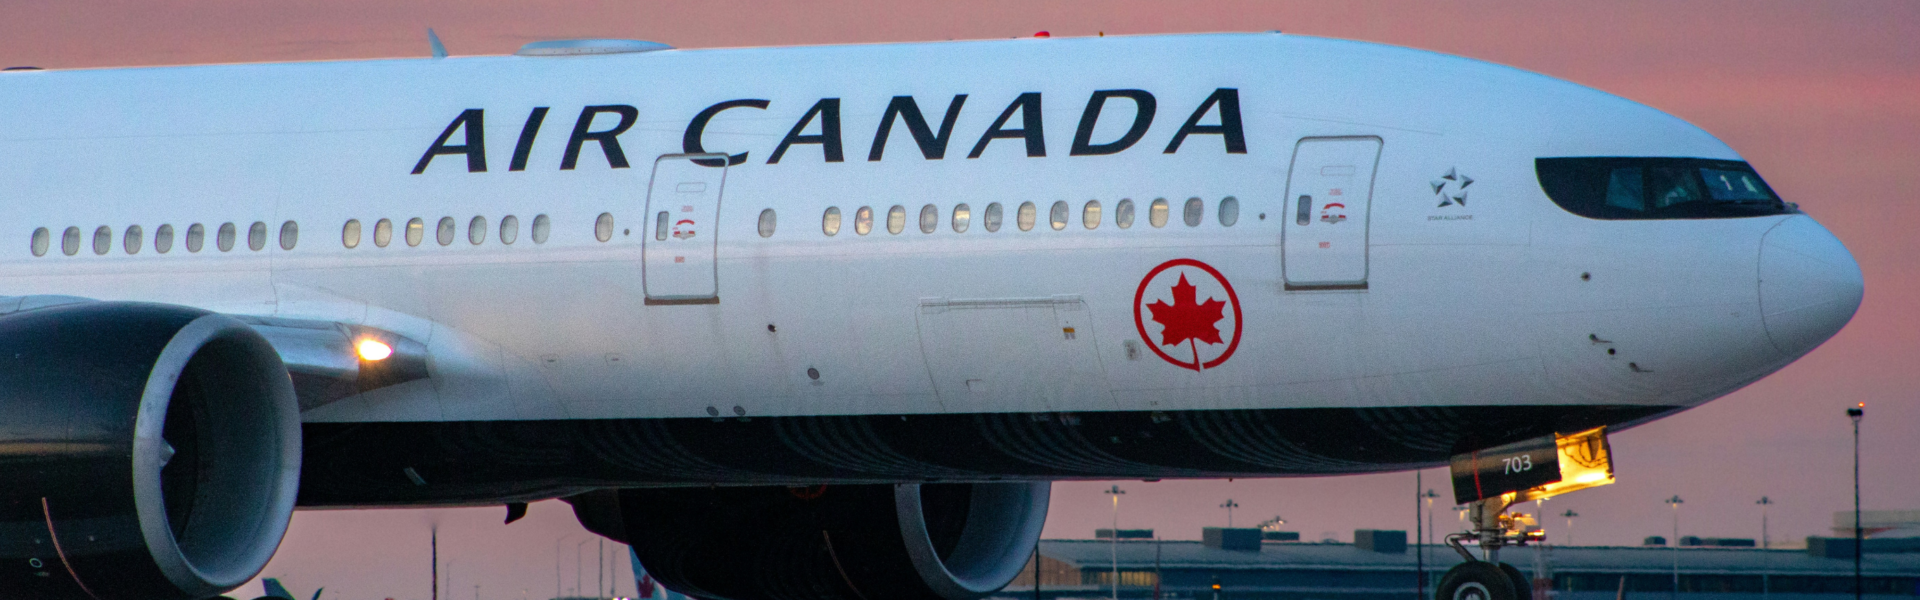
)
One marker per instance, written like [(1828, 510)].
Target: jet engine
[(946, 541), (146, 451)]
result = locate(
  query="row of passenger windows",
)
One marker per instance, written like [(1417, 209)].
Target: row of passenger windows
[(1025, 217), (133, 238), (447, 229)]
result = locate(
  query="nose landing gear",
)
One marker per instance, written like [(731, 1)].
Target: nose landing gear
[(1491, 480)]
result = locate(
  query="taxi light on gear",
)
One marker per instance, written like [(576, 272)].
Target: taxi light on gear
[(374, 350)]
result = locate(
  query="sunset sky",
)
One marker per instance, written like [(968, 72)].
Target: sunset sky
[(1822, 98)]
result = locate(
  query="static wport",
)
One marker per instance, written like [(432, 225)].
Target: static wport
[(372, 350)]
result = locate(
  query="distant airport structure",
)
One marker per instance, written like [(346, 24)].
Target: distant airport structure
[(1238, 564)]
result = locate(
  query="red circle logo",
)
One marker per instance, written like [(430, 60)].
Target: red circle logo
[(1180, 314)]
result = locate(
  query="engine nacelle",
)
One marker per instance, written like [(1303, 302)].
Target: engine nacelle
[(146, 452), (950, 541)]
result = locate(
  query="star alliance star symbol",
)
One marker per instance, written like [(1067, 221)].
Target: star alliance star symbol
[(1451, 188)]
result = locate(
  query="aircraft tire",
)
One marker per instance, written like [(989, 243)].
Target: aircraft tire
[(1522, 587), (1477, 580)]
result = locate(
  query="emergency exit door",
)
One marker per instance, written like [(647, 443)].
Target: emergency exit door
[(683, 205), (1329, 192)]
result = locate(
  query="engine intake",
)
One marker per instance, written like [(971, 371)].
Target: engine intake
[(147, 451), (957, 541)]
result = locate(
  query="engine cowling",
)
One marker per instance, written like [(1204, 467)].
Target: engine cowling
[(149, 452), (957, 541)]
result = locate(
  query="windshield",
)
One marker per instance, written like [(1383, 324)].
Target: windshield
[(1657, 188)]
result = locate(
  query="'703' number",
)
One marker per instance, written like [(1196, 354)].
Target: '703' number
[(1518, 464)]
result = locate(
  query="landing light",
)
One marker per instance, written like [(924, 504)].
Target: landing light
[(374, 350)]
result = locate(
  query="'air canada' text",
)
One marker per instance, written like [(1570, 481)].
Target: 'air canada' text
[(820, 127)]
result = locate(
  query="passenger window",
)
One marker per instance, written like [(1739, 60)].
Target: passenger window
[(929, 218), (992, 219), (257, 236), (416, 231), (1057, 216), (1090, 214), (1157, 213), (196, 237), (41, 239), (1123, 213), (383, 233), (444, 230), (830, 221), (102, 239), (766, 223), (660, 227), (133, 239), (70, 241), (1194, 211), (163, 239), (509, 229), (224, 238), (477, 230), (863, 220), (1229, 211), (961, 217), (896, 219), (542, 227), (1024, 219), (289, 235), (350, 234), (603, 227)]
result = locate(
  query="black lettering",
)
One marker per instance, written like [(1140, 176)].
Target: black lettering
[(527, 132), (933, 147), (1229, 128), (690, 143), (1030, 128), (828, 109), (609, 139), (1142, 118), (472, 121)]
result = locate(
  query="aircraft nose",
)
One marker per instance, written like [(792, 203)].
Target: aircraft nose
[(1810, 285)]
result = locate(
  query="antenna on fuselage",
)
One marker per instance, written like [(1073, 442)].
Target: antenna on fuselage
[(433, 40)]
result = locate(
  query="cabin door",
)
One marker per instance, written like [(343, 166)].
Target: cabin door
[(1329, 192), (678, 251)]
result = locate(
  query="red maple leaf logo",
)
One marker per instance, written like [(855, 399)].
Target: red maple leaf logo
[(1187, 319)]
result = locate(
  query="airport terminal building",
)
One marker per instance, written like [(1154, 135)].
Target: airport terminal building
[(1383, 566)]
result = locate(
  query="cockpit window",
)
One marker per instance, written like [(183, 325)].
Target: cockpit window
[(1657, 188)]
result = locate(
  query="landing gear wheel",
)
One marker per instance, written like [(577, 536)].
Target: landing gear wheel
[(1478, 580), (1522, 587)]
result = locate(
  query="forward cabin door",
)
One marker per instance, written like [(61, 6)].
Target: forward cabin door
[(1329, 193), (683, 204)]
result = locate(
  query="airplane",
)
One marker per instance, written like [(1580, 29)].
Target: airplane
[(825, 322)]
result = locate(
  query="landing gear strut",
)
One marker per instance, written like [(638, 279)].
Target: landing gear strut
[(1490, 579)]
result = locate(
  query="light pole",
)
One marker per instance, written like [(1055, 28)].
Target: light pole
[(1569, 515), (1855, 413), (577, 578), (1764, 503), (1675, 502), (1113, 539), (1429, 495), (1229, 505), (556, 563)]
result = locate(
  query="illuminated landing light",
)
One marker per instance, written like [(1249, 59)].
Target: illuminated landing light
[(1591, 477), (374, 350)]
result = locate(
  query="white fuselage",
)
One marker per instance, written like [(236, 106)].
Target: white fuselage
[(1500, 299)]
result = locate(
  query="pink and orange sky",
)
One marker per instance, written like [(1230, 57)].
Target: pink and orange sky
[(1823, 98)]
